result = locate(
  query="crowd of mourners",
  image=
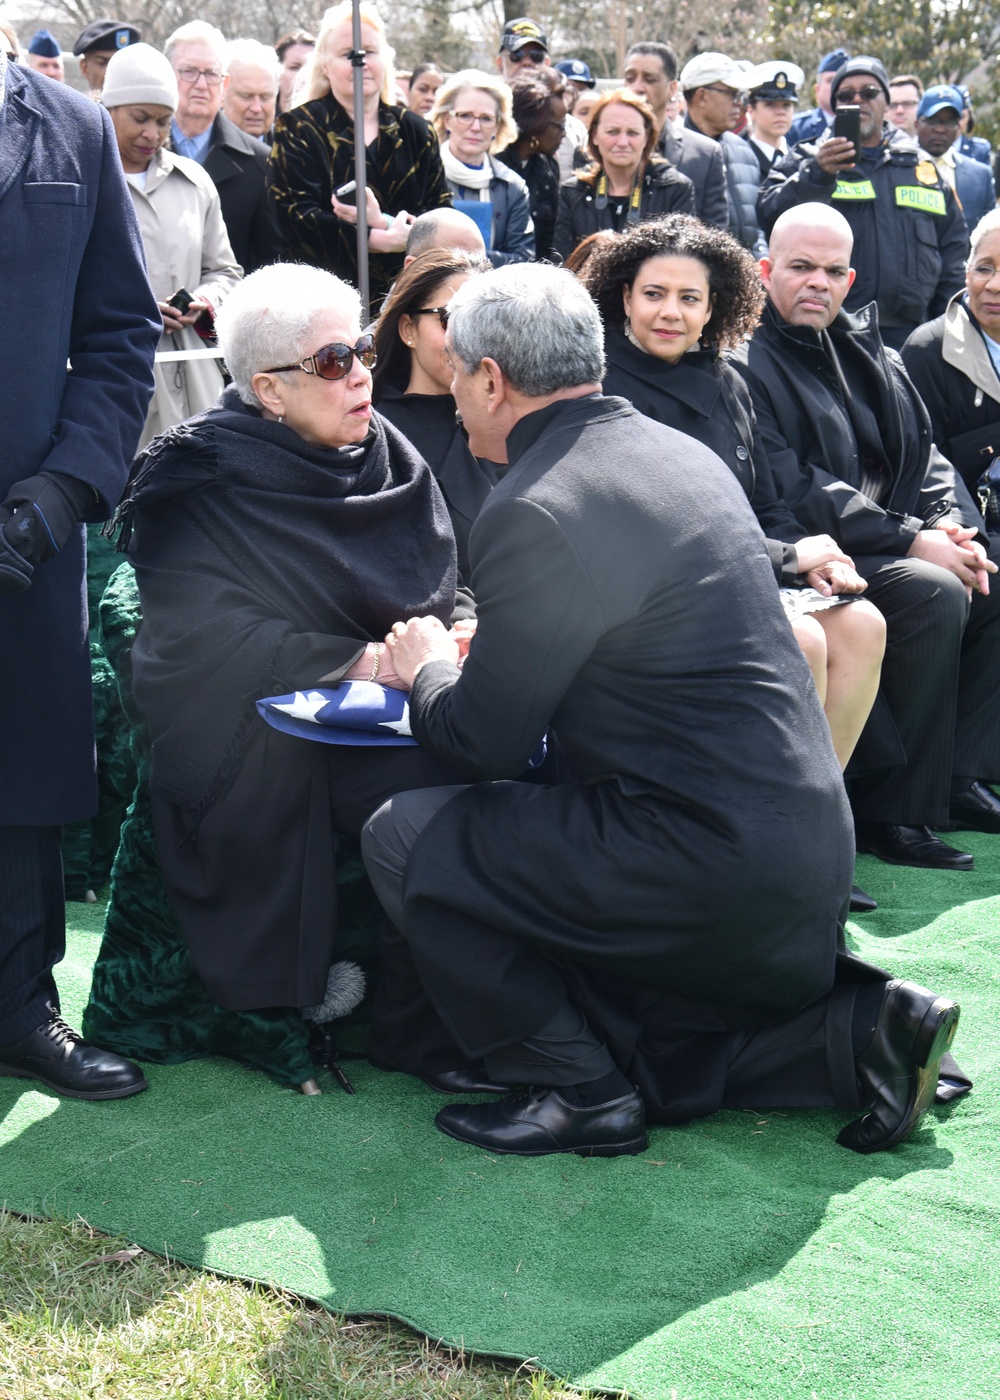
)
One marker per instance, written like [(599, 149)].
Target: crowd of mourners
[(591, 595)]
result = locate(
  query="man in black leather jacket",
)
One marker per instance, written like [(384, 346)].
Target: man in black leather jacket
[(850, 446)]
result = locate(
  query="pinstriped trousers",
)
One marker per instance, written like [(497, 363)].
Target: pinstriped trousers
[(941, 678)]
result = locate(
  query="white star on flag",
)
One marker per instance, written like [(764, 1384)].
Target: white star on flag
[(305, 706)]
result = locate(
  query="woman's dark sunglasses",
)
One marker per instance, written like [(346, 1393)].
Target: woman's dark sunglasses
[(441, 312), (334, 361)]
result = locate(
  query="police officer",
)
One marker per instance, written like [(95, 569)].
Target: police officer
[(773, 90), (910, 240)]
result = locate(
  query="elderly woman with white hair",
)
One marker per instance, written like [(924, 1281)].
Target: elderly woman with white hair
[(472, 116), (313, 157), (275, 538), (955, 363), (188, 254)]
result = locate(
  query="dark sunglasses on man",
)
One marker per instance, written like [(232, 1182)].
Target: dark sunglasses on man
[(334, 361), (847, 96)]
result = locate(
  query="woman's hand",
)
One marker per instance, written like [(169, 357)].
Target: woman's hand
[(381, 239), (174, 321), (817, 550), (835, 577), (412, 644)]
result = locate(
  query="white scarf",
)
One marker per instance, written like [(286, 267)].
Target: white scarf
[(456, 172)]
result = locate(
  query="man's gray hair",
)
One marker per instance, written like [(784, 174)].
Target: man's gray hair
[(267, 320), (989, 223), (538, 323), (251, 53), (197, 31)]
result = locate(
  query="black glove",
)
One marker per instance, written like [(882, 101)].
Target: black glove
[(45, 510), (37, 518), (15, 572)]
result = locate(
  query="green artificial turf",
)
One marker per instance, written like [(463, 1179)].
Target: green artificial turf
[(742, 1256)]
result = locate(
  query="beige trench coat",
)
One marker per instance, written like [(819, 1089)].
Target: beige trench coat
[(186, 246)]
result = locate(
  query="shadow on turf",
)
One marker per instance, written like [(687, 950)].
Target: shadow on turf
[(613, 1251)]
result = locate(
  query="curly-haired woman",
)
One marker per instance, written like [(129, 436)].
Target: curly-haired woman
[(674, 294)]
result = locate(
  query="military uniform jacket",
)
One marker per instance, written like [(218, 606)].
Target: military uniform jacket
[(313, 154), (910, 240)]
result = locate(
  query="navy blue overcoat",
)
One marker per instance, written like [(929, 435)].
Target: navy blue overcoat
[(73, 291)]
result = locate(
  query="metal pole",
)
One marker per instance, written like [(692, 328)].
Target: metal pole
[(360, 163)]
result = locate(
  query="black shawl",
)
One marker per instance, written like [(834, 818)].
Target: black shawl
[(264, 564)]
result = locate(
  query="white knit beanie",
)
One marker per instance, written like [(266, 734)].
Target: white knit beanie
[(139, 75)]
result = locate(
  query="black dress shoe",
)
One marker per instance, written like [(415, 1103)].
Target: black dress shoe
[(463, 1081), (910, 845), (59, 1058), (976, 808), (861, 903), (539, 1121), (898, 1072)]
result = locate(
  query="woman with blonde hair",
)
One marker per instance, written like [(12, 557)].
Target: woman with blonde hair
[(472, 118), (313, 157), (628, 181)]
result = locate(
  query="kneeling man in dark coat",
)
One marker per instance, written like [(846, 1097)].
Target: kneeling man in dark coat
[(664, 915)]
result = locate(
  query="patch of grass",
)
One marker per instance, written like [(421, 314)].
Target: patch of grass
[(86, 1317)]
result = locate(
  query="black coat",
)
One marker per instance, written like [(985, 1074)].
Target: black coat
[(72, 287), (809, 438), (703, 844), (705, 398), (238, 167), (428, 421), (949, 363), (664, 191), (910, 258), (541, 174), (700, 159)]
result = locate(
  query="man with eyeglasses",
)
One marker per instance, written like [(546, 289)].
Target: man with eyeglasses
[(714, 90), (910, 239), (905, 92), (200, 130)]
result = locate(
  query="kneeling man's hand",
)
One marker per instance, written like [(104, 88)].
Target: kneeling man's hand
[(412, 644)]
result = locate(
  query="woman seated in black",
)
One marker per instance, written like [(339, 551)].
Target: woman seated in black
[(674, 294), (275, 538), (412, 382)]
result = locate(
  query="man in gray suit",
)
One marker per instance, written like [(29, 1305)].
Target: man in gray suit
[(651, 71)]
